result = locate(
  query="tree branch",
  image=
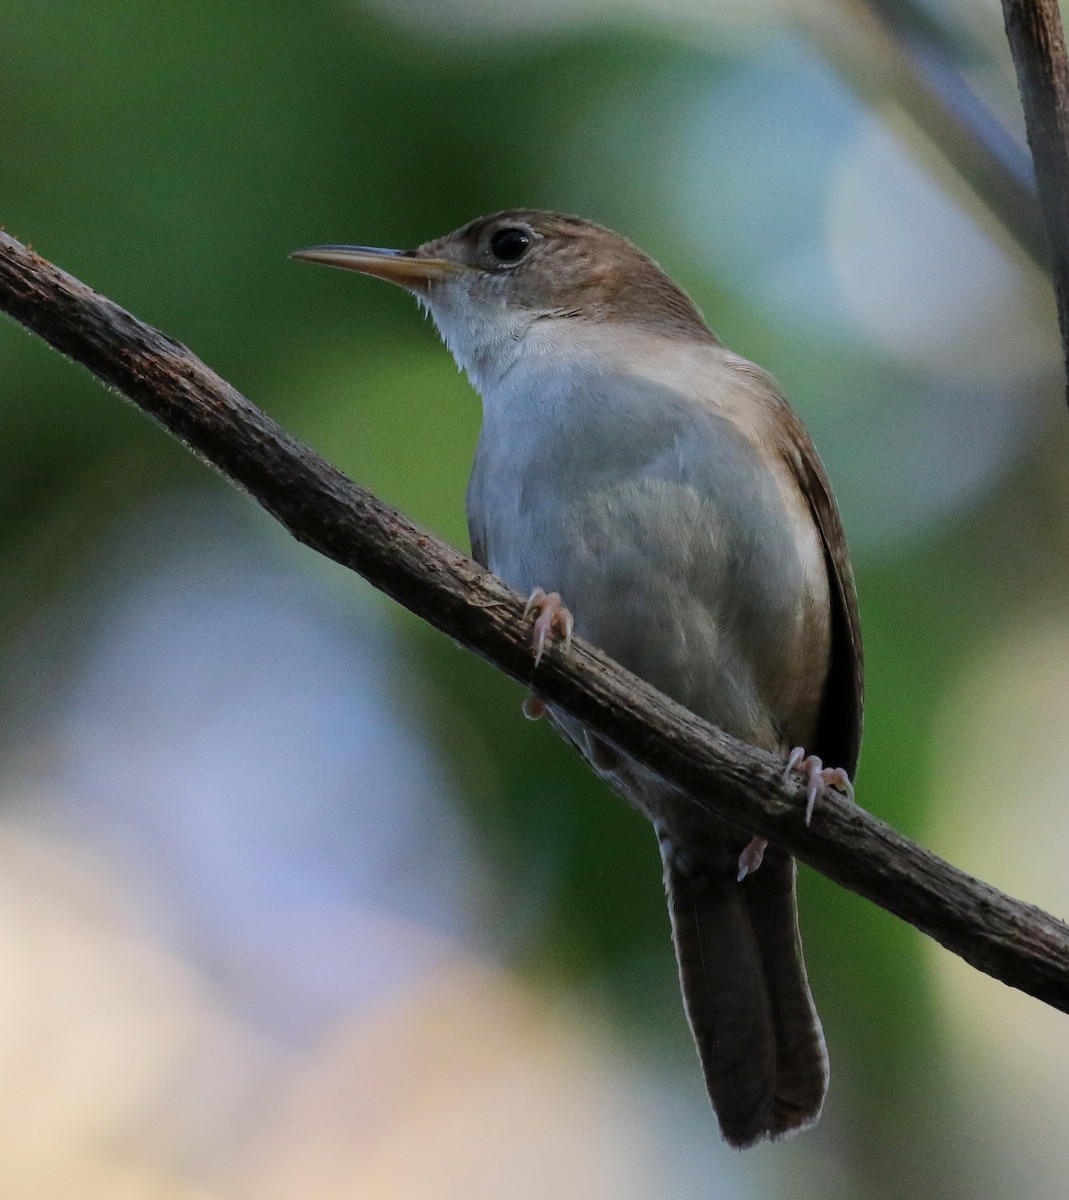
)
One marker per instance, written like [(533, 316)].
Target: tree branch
[(1012, 941), (1015, 942), (1034, 30)]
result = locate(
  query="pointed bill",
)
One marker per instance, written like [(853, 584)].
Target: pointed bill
[(408, 268)]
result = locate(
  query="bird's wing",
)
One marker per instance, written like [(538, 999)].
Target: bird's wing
[(838, 738)]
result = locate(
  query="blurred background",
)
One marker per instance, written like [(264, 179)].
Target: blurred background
[(294, 903)]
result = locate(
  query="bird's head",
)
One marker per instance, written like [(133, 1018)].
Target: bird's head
[(489, 283)]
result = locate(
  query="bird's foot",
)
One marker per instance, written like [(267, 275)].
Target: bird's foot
[(752, 856), (551, 618), (818, 779)]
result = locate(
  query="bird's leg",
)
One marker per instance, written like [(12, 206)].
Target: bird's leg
[(551, 617), (818, 778)]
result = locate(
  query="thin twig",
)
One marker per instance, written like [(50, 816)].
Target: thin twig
[(885, 50), (1034, 30), (1015, 942)]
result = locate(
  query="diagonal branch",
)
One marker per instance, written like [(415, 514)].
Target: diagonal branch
[(1015, 942)]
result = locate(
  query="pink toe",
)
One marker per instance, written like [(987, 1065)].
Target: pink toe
[(552, 619), (752, 856), (818, 779)]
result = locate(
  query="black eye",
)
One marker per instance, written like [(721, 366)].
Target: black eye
[(509, 245)]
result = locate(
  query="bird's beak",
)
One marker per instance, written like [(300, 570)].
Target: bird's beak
[(408, 268)]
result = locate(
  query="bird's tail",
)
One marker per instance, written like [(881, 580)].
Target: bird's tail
[(746, 992)]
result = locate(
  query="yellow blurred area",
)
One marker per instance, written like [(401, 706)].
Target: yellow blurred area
[(1002, 739), (95, 1023), (118, 1056)]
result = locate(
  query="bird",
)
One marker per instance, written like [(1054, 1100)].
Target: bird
[(653, 492)]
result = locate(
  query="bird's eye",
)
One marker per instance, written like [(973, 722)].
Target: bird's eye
[(510, 245)]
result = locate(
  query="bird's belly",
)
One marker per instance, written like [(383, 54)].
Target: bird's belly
[(725, 617), (682, 546)]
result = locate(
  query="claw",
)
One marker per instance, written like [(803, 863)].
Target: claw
[(818, 779), (552, 618), (752, 856)]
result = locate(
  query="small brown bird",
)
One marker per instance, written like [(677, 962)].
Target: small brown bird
[(637, 478)]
